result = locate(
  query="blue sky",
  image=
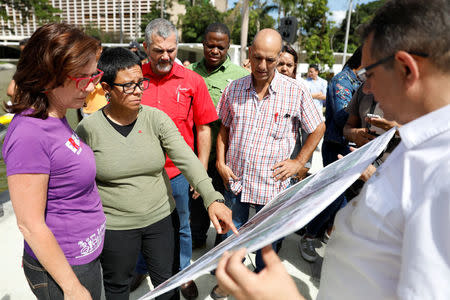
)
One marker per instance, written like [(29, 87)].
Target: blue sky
[(343, 4), (338, 7)]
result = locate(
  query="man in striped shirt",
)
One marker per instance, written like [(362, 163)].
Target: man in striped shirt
[(261, 114)]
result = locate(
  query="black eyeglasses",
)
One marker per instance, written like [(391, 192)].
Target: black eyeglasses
[(130, 87), (362, 73)]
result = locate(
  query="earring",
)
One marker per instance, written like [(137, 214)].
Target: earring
[(107, 96)]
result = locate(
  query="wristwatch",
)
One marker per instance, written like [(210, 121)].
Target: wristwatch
[(220, 201)]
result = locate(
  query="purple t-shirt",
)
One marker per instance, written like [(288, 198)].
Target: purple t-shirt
[(74, 211)]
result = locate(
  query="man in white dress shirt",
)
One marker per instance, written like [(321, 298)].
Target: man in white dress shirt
[(392, 241)]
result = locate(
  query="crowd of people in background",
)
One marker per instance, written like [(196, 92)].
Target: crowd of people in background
[(166, 147)]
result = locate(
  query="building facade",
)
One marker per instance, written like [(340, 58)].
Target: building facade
[(108, 15)]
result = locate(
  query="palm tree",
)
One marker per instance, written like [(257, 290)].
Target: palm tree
[(261, 8)]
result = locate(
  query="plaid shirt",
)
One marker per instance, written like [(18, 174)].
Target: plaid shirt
[(263, 132)]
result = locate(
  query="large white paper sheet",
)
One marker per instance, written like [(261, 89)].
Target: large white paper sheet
[(287, 212)]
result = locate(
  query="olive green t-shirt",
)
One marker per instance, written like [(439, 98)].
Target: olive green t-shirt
[(133, 185)]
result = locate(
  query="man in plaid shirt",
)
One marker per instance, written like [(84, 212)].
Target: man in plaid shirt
[(261, 114)]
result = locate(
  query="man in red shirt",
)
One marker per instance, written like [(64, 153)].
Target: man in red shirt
[(182, 94)]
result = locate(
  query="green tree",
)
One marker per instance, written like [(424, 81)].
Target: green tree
[(258, 18), (41, 9), (261, 9), (197, 18), (286, 7), (105, 36), (315, 31), (361, 15)]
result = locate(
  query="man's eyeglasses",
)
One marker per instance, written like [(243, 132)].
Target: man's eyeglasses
[(83, 82), (130, 87), (362, 74)]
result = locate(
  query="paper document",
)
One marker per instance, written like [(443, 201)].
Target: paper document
[(289, 211)]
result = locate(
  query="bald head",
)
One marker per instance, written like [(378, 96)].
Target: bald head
[(268, 38), (264, 54)]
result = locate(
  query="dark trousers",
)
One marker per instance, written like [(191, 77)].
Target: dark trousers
[(240, 216), (159, 244), (199, 215), (44, 287), (317, 226)]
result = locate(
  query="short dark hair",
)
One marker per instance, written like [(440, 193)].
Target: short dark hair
[(23, 42), (141, 54), (354, 62), (53, 51), (420, 26), (219, 28), (134, 44), (314, 66), (291, 51), (114, 60)]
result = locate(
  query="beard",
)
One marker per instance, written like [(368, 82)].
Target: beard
[(164, 67)]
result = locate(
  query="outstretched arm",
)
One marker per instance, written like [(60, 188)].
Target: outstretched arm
[(189, 164)]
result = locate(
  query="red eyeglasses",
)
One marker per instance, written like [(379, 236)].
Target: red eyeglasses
[(83, 82)]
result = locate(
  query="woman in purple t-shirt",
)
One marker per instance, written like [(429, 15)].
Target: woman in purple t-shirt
[(51, 172)]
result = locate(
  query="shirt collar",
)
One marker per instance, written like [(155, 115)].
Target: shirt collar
[(222, 67), (274, 84), (426, 127), (177, 71), (352, 75)]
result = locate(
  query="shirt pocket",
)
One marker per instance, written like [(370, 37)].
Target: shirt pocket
[(215, 92), (184, 101), (281, 126)]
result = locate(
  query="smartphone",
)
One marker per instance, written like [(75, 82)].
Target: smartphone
[(374, 130), (373, 116)]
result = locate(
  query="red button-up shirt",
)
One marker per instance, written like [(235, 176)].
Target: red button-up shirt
[(183, 96)]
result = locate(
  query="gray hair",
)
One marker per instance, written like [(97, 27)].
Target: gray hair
[(420, 26), (160, 27)]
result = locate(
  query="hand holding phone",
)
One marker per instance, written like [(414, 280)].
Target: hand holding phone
[(373, 116)]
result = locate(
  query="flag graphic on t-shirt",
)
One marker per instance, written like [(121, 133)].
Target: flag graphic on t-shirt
[(74, 144)]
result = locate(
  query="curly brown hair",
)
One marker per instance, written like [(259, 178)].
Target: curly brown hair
[(54, 51)]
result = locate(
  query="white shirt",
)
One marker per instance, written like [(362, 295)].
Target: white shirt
[(393, 240)]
